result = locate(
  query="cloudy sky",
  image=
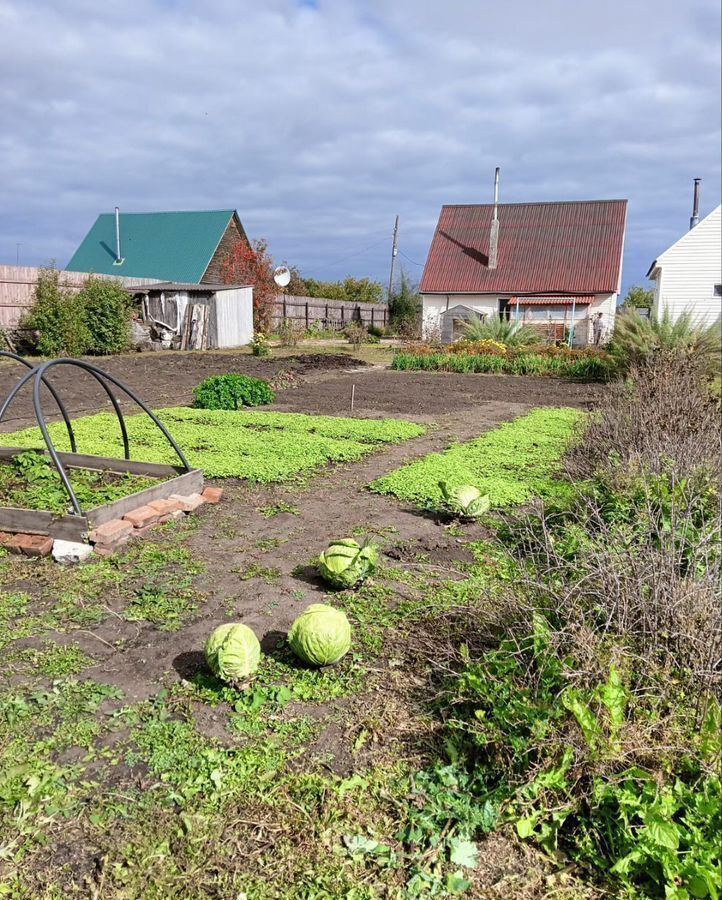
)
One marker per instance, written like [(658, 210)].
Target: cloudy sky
[(320, 120)]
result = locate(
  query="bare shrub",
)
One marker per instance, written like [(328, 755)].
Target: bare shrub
[(650, 584), (662, 416), (289, 332)]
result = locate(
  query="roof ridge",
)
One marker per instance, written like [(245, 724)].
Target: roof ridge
[(533, 203), (171, 212)]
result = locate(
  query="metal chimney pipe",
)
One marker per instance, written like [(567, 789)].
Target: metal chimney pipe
[(695, 205), (118, 257), (494, 233)]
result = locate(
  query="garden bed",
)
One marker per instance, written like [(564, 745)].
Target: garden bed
[(33, 499)]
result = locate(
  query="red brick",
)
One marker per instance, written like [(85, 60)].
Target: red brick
[(188, 503), (110, 532), (5, 538), (144, 515), (38, 545), (165, 507), (31, 544), (212, 494)]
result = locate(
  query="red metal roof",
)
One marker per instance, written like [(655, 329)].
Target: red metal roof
[(583, 300), (572, 247)]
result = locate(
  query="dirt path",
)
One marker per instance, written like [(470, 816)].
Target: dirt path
[(332, 505)]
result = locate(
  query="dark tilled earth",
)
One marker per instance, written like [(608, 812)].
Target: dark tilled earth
[(323, 384)]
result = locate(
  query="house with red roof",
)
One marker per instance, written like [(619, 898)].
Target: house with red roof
[(556, 266)]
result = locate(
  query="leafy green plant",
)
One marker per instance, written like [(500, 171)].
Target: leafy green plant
[(31, 481), (321, 635), (346, 563), (259, 345), (260, 446), (491, 463), (505, 331), (232, 392), (636, 338), (106, 311), (464, 501), (58, 317)]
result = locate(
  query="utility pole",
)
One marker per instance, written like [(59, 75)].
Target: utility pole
[(394, 251)]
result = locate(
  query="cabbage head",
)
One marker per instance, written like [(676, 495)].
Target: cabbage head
[(346, 563), (321, 635), (233, 652), (466, 500)]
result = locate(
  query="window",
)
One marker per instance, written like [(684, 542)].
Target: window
[(718, 290)]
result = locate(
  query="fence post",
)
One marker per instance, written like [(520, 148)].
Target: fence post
[(342, 315), (284, 306), (372, 317), (306, 315)]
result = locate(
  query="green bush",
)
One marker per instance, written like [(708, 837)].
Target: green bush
[(106, 309), (505, 331), (94, 319), (57, 315), (637, 339), (232, 392)]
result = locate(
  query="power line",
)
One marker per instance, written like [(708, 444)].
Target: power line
[(412, 261), (351, 255)]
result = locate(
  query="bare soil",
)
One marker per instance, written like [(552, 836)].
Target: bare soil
[(323, 384), (234, 539)]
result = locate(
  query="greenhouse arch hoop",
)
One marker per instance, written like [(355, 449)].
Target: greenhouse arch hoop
[(38, 375)]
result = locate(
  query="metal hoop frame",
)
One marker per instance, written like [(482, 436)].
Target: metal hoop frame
[(38, 375)]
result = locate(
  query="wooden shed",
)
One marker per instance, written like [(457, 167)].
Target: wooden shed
[(197, 316)]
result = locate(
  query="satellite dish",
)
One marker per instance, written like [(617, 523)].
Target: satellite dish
[(282, 276)]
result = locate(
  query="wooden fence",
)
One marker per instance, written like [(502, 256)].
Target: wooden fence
[(18, 283), (328, 315)]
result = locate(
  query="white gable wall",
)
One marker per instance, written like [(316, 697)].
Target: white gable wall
[(685, 275)]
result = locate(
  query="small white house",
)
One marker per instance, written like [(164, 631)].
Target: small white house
[(555, 266), (688, 276)]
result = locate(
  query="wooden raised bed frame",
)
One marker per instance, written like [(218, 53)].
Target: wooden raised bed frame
[(75, 528)]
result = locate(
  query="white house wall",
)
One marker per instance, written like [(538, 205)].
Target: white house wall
[(434, 305), (685, 275)]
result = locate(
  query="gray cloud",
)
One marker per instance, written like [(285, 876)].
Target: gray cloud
[(319, 122)]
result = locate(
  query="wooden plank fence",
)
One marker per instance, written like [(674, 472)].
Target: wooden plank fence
[(329, 315), (17, 284)]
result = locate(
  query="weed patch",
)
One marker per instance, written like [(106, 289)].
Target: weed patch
[(259, 446), (512, 463)]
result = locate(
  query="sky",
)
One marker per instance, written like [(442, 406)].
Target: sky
[(321, 120)]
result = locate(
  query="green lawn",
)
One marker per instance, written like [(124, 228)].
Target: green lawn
[(512, 463), (259, 446)]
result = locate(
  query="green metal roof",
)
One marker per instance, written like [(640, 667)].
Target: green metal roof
[(170, 246)]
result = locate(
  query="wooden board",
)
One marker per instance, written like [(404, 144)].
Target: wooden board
[(75, 528), (39, 521), (189, 483), (102, 463)]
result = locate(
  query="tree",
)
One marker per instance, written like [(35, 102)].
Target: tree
[(639, 297), (405, 308), (251, 264)]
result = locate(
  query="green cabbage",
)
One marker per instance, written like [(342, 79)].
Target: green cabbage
[(466, 500), (346, 563), (233, 652), (321, 635)]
